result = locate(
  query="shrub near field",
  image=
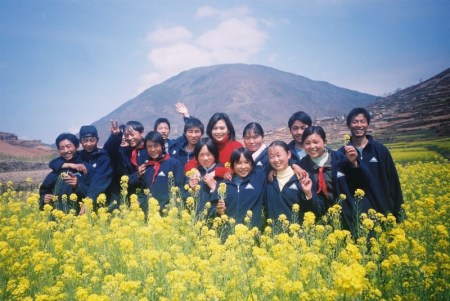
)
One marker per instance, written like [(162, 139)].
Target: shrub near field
[(101, 256)]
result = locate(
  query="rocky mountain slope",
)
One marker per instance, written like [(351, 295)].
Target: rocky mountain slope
[(418, 112), (245, 92)]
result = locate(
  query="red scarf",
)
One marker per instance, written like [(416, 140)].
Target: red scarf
[(322, 183), (134, 154), (157, 165)]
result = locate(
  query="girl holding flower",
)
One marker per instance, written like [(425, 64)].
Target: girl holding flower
[(203, 179), (244, 192), (334, 173)]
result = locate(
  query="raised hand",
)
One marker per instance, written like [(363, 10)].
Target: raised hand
[(306, 184), (115, 130), (182, 109)]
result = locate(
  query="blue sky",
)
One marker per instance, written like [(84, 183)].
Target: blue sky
[(68, 63)]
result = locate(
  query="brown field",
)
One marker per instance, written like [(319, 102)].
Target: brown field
[(19, 178), (18, 151)]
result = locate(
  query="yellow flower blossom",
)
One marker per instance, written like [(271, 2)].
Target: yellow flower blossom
[(346, 139), (359, 193)]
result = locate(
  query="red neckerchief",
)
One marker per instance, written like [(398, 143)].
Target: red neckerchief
[(156, 165), (322, 183), (134, 154)]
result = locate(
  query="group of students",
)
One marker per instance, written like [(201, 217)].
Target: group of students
[(266, 180)]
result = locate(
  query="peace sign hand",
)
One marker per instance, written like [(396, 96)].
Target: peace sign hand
[(115, 130)]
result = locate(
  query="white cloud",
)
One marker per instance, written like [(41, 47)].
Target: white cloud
[(236, 38)]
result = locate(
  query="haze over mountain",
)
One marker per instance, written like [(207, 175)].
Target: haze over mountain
[(245, 92)]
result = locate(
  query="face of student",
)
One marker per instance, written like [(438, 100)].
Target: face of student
[(154, 149), (243, 167), (133, 137), (279, 157), (253, 141), (124, 142), (89, 144), (219, 131), (314, 146), (67, 149), (193, 135), (205, 157), (163, 129), (359, 125), (297, 130)]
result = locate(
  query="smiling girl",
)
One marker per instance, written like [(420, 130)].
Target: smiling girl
[(334, 173), (206, 155), (154, 174), (244, 192), (253, 135), (286, 190)]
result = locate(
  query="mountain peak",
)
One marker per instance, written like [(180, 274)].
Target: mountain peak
[(245, 92)]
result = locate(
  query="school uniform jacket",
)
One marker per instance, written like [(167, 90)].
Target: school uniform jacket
[(102, 170), (263, 160), (159, 189), (182, 155), (54, 184), (345, 179), (123, 154), (383, 190), (205, 192), (278, 202), (295, 159), (248, 195)]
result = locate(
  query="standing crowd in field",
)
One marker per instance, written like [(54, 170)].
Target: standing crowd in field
[(226, 176)]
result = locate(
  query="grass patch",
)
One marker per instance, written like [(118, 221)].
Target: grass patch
[(423, 150)]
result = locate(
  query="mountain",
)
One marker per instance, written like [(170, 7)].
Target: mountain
[(421, 111), (245, 92)]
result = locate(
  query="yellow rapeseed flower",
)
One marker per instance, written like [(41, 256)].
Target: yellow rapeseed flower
[(346, 139), (359, 194)]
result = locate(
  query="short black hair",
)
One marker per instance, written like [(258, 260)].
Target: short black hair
[(236, 156), (157, 138), (71, 137), (255, 127), (357, 111), (193, 122), (300, 116), (135, 125), (316, 129), (210, 145), (161, 120)]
